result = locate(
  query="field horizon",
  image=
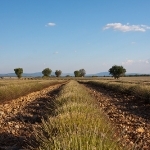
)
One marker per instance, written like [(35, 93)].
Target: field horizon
[(39, 74)]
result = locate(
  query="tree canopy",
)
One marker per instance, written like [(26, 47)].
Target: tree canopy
[(46, 72), (58, 73), (80, 73), (18, 72), (76, 73), (117, 71)]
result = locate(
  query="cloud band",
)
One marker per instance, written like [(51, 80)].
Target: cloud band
[(50, 24), (126, 28)]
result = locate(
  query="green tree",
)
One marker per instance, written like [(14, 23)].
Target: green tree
[(68, 75), (18, 72), (58, 73), (46, 72), (82, 72), (117, 71), (76, 73)]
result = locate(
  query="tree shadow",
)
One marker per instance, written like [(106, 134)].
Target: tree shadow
[(28, 118)]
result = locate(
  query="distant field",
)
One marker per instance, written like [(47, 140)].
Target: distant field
[(141, 78), (11, 89), (136, 86), (136, 80), (124, 78), (127, 79)]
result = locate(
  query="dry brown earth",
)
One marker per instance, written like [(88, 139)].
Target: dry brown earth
[(129, 115), (19, 116)]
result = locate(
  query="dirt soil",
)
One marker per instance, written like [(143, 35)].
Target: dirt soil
[(129, 115), (19, 116)]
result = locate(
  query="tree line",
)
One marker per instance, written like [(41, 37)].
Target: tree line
[(47, 72), (115, 71)]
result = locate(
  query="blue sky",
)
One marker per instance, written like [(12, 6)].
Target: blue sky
[(69, 35)]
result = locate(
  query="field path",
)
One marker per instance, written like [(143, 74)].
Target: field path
[(19, 116), (129, 115)]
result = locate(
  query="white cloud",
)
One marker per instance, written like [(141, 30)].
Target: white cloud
[(145, 61), (137, 66), (51, 24), (145, 26), (133, 42), (127, 27), (128, 62), (55, 53)]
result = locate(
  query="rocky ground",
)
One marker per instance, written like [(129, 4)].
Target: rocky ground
[(18, 117), (129, 115)]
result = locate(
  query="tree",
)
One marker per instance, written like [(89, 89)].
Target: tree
[(117, 71), (18, 72), (58, 73), (82, 72), (68, 75), (46, 72), (77, 73)]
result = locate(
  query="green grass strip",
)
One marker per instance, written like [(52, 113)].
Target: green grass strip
[(78, 123)]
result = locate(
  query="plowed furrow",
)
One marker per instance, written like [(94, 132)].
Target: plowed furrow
[(18, 118), (130, 116)]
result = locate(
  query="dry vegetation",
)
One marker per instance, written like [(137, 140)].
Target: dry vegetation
[(19, 116), (127, 104), (11, 89), (73, 119), (78, 123), (137, 88)]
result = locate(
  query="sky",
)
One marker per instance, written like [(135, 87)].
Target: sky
[(69, 35)]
